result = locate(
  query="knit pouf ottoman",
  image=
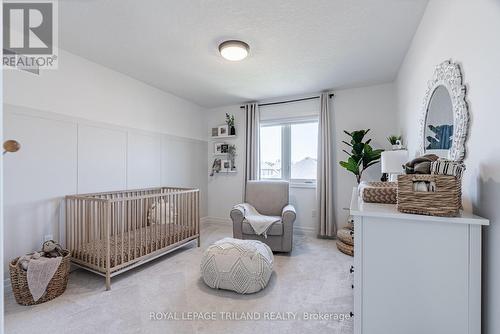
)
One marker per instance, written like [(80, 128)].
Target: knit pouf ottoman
[(243, 266)]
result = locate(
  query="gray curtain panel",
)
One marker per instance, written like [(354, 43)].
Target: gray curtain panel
[(326, 216), (252, 159)]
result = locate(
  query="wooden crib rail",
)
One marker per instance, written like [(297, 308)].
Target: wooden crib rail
[(109, 233)]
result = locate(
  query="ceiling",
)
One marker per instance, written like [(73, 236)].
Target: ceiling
[(296, 47)]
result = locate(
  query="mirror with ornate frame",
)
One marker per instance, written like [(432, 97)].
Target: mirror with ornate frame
[(444, 122)]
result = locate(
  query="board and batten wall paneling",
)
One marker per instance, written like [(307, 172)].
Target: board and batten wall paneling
[(183, 164), (62, 155), (143, 160), (35, 180), (102, 159)]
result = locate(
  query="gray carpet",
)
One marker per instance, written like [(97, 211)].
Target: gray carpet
[(314, 279)]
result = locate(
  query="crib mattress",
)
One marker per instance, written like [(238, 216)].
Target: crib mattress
[(142, 241)]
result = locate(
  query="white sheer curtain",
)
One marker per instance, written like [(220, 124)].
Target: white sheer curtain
[(252, 159), (326, 216)]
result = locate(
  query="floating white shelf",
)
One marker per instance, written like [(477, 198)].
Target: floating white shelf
[(224, 172), (224, 137)]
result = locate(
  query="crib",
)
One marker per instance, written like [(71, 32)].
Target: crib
[(110, 233)]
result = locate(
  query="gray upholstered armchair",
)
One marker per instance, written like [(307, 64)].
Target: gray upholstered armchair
[(268, 198)]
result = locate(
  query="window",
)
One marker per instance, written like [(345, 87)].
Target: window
[(288, 151)]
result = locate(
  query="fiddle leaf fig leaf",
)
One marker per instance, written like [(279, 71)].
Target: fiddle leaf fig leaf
[(362, 155)]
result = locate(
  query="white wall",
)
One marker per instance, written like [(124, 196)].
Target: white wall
[(372, 107), (361, 108), (84, 128), (1, 181), (226, 190), (467, 32), (81, 88)]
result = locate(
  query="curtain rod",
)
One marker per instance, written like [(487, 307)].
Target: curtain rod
[(297, 100)]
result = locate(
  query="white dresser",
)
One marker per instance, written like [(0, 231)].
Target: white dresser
[(415, 274)]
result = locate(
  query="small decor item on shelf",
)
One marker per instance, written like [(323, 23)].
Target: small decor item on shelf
[(226, 164), (40, 276), (222, 131), (396, 142), (218, 148), (231, 153), (362, 155), (215, 132), (230, 124), (216, 166)]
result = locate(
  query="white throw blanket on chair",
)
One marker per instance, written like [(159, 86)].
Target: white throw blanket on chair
[(260, 223)]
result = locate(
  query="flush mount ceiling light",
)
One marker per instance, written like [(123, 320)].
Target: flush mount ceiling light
[(234, 50)]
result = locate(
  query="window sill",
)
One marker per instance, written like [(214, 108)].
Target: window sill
[(303, 185)]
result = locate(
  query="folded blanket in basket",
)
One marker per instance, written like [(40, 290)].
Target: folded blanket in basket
[(40, 272), (260, 223), (447, 167)]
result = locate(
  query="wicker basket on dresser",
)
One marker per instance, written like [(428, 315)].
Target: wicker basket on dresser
[(445, 201)]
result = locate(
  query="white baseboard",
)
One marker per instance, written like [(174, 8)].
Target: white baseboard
[(216, 220), (227, 221)]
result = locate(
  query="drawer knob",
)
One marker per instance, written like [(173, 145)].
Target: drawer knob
[(351, 270)]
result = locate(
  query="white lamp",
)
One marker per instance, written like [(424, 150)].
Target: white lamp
[(392, 163)]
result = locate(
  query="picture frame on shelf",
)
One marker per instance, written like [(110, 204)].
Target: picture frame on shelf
[(218, 148), (215, 132), (223, 131), (225, 165), (224, 149)]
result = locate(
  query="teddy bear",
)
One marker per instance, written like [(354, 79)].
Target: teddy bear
[(51, 249)]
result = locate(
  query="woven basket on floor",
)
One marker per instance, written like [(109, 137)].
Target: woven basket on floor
[(346, 235), (55, 288), (445, 201), (345, 248)]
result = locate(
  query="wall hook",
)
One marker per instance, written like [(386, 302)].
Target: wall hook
[(11, 146)]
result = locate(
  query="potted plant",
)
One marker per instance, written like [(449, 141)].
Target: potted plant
[(395, 142), (230, 124), (362, 155), (231, 153)]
